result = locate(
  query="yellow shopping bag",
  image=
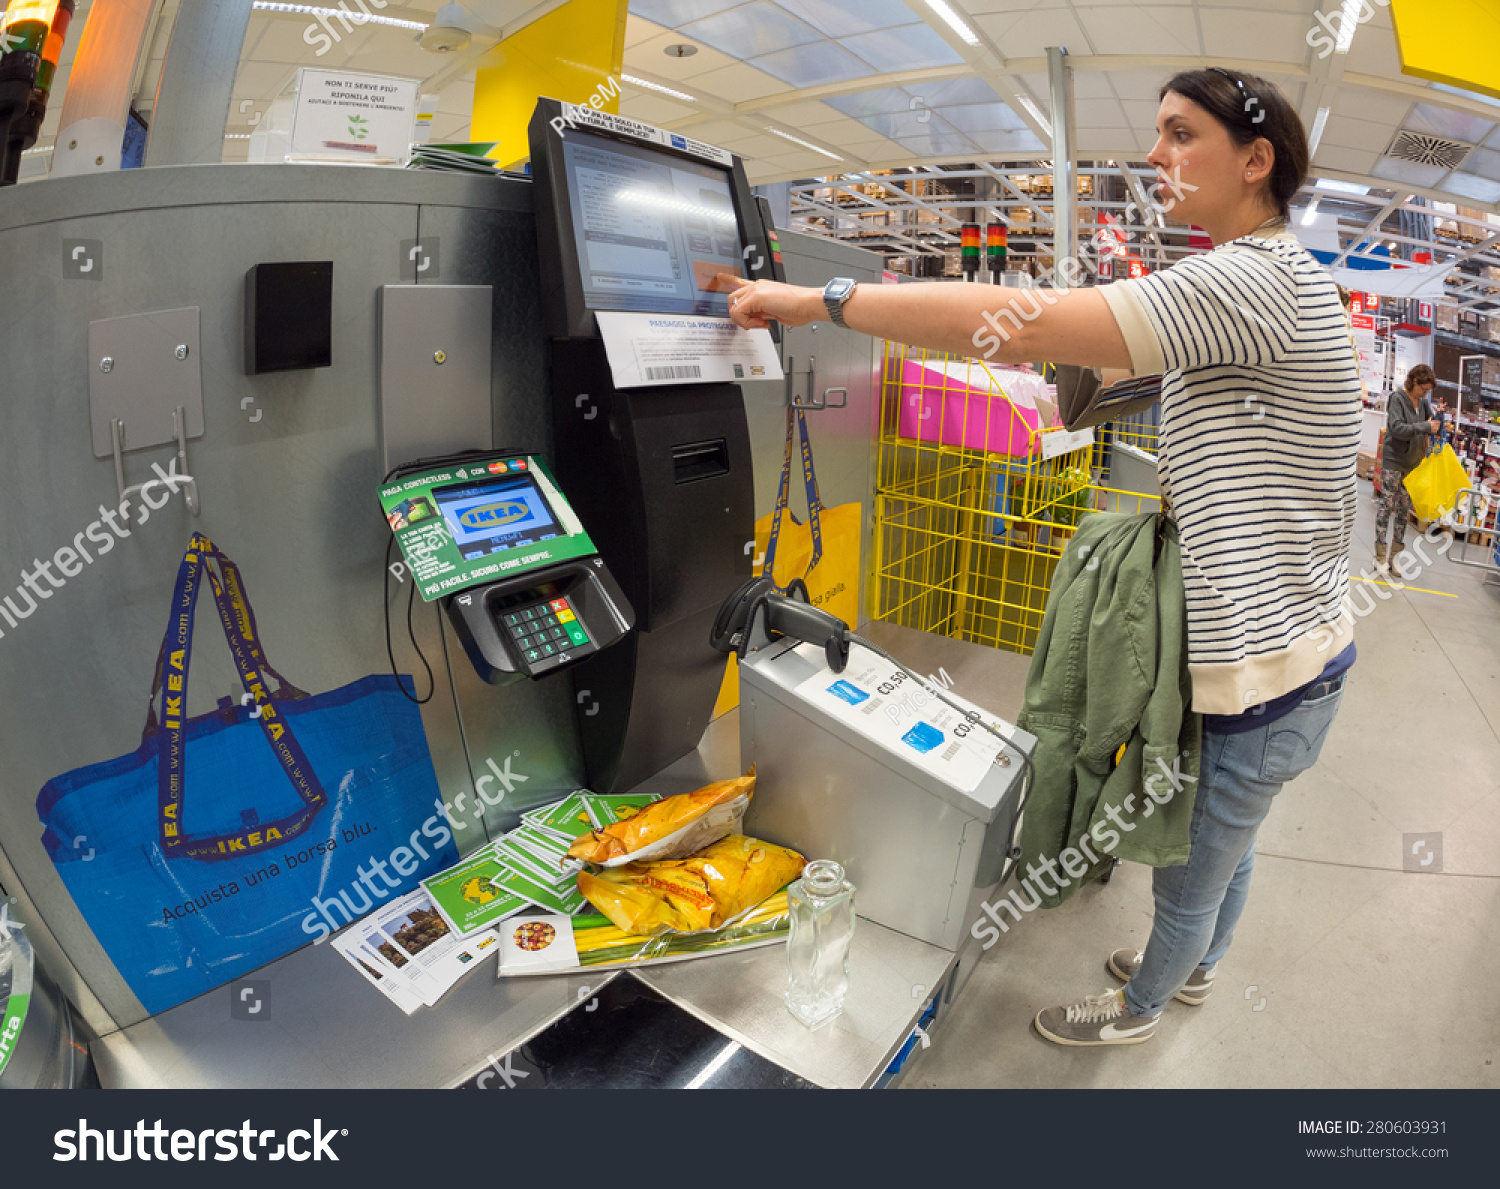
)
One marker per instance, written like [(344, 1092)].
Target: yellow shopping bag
[(1435, 483), (824, 552)]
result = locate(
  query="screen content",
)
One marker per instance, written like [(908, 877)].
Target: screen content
[(653, 231), (493, 515)]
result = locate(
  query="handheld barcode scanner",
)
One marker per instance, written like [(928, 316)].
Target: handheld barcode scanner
[(758, 614), (492, 537)]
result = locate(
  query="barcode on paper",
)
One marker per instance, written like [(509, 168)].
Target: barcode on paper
[(683, 371)]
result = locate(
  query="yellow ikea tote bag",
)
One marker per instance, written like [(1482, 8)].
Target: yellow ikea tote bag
[(1435, 483), (824, 552)]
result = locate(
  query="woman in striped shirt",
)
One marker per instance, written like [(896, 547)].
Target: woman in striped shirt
[(1259, 434)]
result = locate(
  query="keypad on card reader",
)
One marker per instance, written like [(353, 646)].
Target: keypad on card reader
[(545, 630)]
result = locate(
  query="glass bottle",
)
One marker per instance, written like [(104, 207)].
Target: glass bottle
[(817, 951)]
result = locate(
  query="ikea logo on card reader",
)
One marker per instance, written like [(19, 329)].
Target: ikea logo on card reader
[(494, 515), (848, 693), (923, 737)]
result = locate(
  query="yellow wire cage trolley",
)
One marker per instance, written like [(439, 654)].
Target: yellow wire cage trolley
[(976, 497)]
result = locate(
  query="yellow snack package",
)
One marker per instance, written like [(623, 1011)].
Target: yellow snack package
[(707, 891), (671, 828)]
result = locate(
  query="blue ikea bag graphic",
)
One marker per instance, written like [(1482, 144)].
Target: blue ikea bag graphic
[(227, 840)]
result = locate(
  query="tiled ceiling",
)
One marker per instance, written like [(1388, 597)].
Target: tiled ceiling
[(805, 88), (796, 65)]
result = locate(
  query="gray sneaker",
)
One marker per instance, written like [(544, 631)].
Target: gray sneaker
[(1124, 963), (1095, 1020)]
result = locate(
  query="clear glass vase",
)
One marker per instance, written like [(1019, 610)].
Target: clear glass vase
[(817, 951)]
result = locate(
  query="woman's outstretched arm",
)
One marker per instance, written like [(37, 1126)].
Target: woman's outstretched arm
[(990, 322)]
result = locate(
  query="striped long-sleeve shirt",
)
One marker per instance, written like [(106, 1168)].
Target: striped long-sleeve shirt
[(1260, 429)]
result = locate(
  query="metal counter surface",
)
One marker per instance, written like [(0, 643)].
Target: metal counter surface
[(326, 1027)]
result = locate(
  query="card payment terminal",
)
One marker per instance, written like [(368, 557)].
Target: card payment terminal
[(493, 538)]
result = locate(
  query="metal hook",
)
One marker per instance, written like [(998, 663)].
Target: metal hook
[(179, 431)]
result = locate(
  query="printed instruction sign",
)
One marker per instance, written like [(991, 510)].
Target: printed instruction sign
[(341, 116), (882, 703), (467, 523), (651, 349)]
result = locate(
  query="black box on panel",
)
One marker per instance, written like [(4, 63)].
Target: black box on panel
[(288, 316)]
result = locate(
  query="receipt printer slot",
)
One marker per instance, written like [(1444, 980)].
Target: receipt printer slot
[(700, 460)]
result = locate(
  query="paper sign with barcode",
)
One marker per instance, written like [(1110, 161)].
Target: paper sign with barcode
[(646, 350)]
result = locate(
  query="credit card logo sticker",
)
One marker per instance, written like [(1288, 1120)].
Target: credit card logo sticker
[(849, 693), (494, 515), (922, 737)]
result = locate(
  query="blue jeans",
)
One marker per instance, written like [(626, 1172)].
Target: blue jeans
[(1199, 903)]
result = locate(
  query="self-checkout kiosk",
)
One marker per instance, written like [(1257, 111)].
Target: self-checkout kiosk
[(654, 452)]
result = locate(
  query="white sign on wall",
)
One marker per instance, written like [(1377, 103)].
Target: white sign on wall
[(341, 116)]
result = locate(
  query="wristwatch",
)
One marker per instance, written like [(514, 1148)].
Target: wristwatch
[(835, 294)]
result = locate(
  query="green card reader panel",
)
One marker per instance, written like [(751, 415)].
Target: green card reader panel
[(493, 538)]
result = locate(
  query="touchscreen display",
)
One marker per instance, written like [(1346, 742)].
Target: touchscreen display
[(653, 231), (496, 514)]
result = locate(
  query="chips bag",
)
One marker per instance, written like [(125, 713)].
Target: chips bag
[(707, 891), (671, 828)]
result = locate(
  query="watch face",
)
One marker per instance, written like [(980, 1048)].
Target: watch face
[(840, 288)]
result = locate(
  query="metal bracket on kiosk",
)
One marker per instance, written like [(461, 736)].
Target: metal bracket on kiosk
[(814, 403)]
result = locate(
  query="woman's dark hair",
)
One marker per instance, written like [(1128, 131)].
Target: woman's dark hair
[(1250, 108), (1421, 374)]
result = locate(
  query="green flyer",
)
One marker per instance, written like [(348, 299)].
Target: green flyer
[(473, 521), (467, 896)]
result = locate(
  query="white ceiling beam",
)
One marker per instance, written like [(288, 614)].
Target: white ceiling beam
[(1373, 226)]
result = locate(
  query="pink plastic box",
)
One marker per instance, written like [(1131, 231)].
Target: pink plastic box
[(943, 408)]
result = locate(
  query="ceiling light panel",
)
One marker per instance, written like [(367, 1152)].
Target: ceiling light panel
[(1467, 185), (956, 91), (877, 102), (937, 144), (983, 117), (1485, 163), (1408, 171), (676, 13), (911, 47), (657, 87), (910, 125), (1023, 140), (806, 144), (847, 18), (819, 64), (751, 30), (1455, 125), (1474, 95), (954, 21)]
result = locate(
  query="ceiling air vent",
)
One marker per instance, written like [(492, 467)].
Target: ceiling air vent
[(1425, 149)]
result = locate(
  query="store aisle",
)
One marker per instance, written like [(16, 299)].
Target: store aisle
[(1346, 971)]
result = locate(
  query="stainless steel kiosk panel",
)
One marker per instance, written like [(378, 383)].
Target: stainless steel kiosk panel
[(915, 846), (435, 364)]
